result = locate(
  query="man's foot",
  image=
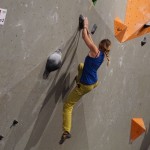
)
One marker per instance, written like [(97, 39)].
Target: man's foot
[(65, 135)]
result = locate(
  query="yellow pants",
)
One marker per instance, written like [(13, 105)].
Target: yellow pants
[(74, 97)]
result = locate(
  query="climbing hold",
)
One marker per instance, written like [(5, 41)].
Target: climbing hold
[(136, 21), (147, 25), (143, 42), (81, 22), (93, 29), (14, 123), (1, 137), (119, 29), (94, 1), (53, 63), (137, 128)]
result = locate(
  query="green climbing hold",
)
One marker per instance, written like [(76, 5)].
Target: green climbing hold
[(94, 1)]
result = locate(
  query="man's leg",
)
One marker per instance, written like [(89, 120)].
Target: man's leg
[(72, 99), (80, 70)]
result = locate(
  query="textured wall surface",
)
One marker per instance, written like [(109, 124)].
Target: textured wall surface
[(101, 120)]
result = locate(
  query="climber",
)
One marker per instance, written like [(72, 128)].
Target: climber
[(87, 78)]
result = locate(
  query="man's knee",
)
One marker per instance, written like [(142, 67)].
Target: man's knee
[(67, 105), (80, 66)]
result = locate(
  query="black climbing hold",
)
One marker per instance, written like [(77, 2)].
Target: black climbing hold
[(81, 22), (93, 29), (143, 42), (147, 25), (14, 123), (94, 1), (53, 63), (1, 137)]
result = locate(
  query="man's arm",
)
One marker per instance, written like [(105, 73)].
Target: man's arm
[(88, 40)]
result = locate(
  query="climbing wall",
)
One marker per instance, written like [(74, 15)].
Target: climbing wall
[(137, 15), (102, 119)]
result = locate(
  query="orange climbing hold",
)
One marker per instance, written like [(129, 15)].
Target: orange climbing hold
[(137, 128), (137, 15), (119, 29)]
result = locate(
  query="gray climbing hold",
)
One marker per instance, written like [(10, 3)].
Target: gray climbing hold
[(93, 29), (53, 63)]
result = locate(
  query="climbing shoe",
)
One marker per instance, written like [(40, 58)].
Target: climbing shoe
[(65, 135)]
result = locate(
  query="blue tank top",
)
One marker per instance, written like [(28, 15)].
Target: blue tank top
[(91, 65)]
